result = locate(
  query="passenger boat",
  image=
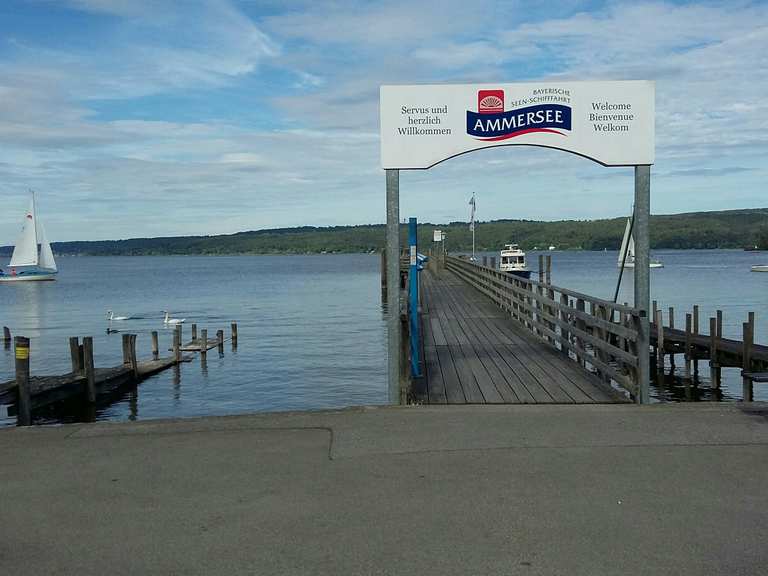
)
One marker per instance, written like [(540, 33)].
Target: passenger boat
[(628, 248), (512, 261), (29, 264), (760, 268)]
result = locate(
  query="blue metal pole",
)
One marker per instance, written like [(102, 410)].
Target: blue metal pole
[(413, 299)]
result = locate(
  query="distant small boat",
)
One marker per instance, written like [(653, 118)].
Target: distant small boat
[(512, 261), (760, 268), (628, 248), (27, 264), (552, 248)]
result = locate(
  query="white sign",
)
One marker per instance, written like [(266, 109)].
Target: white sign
[(437, 236), (609, 122)]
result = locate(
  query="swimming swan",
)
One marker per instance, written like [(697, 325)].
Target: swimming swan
[(172, 320), (111, 316)]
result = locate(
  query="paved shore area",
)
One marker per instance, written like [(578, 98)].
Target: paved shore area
[(471, 490)]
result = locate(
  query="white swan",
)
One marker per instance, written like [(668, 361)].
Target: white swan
[(172, 320), (111, 316)]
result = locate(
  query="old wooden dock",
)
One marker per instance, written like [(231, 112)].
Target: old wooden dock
[(476, 353)]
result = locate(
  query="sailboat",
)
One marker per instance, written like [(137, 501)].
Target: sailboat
[(628, 248), (27, 262)]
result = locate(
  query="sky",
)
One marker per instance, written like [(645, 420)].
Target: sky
[(134, 118)]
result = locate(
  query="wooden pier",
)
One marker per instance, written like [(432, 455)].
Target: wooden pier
[(27, 392), (475, 354)]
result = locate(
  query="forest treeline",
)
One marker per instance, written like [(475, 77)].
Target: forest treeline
[(724, 229)]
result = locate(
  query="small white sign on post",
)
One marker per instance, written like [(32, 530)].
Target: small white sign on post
[(437, 236), (611, 123)]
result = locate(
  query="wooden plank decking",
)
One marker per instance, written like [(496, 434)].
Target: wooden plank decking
[(475, 354)]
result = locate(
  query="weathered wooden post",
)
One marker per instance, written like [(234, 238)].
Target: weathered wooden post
[(177, 344), (90, 372), (155, 346), (384, 276), (493, 262), (234, 334), (567, 318), (548, 275), (580, 324), (485, 260), (541, 267), (746, 366), (695, 319), (132, 361), (713, 353), (6, 337), (204, 342), (672, 317), (24, 402), (655, 309), (194, 333), (220, 340), (74, 353), (126, 348), (659, 340)]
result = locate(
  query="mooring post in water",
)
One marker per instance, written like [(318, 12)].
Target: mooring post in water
[(24, 402), (126, 346), (746, 365), (548, 269), (713, 374), (688, 345), (74, 353), (194, 333), (234, 334), (155, 346), (493, 262), (132, 361), (6, 337), (659, 319), (90, 373), (220, 340), (204, 341), (177, 343)]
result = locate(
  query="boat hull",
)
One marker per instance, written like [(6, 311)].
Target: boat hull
[(28, 277), (760, 268), (520, 273), (651, 265)]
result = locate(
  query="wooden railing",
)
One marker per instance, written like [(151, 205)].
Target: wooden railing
[(600, 335)]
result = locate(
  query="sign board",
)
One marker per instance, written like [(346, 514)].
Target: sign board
[(609, 122), (437, 236)]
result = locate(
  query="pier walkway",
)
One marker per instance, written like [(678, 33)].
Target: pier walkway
[(476, 354)]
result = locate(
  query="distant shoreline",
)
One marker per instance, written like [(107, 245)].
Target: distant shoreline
[(729, 229)]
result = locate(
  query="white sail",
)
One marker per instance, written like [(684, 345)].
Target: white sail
[(25, 252), (627, 242), (46, 254)]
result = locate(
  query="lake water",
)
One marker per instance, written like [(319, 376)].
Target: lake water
[(311, 328)]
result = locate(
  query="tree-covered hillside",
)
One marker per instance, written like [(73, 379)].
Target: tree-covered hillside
[(726, 229)]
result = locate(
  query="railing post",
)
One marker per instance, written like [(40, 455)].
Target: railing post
[(74, 353), (746, 382)]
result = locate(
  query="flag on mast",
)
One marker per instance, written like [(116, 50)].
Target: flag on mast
[(472, 213)]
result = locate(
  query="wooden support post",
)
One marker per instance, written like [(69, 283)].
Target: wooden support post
[(659, 319), (567, 319), (580, 324), (177, 344), (220, 340), (485, 260), (234, 333), (6, 337), (493, 262), (688, 328), (696, 319), (713, 353), (204, 341), (24, 401), (90, 372), (746, 383), (132, 361), (672, 317), (548, 268), (719, 324), (541, 268), (155, 346), (126, 347), (74, 354), (194, 333), (655, 309)]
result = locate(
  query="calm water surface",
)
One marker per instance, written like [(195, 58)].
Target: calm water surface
[(311, 328)]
